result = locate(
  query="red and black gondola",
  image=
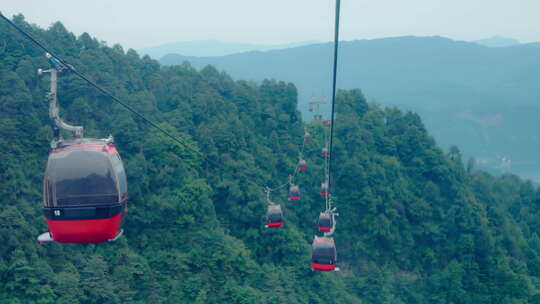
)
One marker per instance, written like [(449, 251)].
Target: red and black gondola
[(307, 136), (85, 192), (323, 254), (324, 152), (274, 216), (294, 193), (324, 189), (302, 165), (325, 222)]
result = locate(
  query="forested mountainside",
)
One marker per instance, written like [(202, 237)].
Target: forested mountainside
[(415, 224), (472, 96)]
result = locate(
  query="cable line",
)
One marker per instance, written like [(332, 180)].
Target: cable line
[(336, 44), (323, 249), (291, 177), (96, 86)]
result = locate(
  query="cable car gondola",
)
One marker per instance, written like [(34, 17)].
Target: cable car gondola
[(274, 216), (302, 165), (307, 136), (323, 254), (84, 192), (324, 189), (85, 185), (324, 152), (294, 193), (326, 123), (325, 222)]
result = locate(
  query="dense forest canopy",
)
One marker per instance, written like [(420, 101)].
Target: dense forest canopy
[(467, 94), (415, 224)]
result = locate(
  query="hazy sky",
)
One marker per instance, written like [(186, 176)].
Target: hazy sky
[(137, 24)]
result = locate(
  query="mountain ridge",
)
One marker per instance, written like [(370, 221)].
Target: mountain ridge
[(213, 48), (498, 41), (435, 76)]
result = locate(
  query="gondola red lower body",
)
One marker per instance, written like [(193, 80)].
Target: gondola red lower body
[(324, 193), (302, 169), (324, 154), (274, 225), (307, 138), (294, 197), (85, 231), (324, 228), (323, 267)]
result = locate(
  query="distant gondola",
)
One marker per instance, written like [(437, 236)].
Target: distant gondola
[(294, 193), (307, 136), (323, 254), (324, 152), (274, 216), (302, 165), (324, 189), (85, 192), (325, 222)]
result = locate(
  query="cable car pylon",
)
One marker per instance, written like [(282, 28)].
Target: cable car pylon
[(317, 102)]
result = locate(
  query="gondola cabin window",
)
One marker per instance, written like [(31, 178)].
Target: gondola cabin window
[(121, 173), (80, 177)]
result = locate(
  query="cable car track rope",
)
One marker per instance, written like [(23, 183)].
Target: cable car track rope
[(336, 44), (291, 177), (96, 86)]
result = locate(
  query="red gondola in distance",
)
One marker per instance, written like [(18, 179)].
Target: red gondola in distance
[(274, 216), (307, 136), (323, 254), (324, 189), (302, 165), (85, 192), (324, 152), (294, 193), (326, 123), (325, 222)]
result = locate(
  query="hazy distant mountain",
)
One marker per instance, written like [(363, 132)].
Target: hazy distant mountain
[(213, 48), (498, 41), (485, 100), (432, 72)]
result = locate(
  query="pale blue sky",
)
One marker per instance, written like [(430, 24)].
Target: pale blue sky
[(137, 23)]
